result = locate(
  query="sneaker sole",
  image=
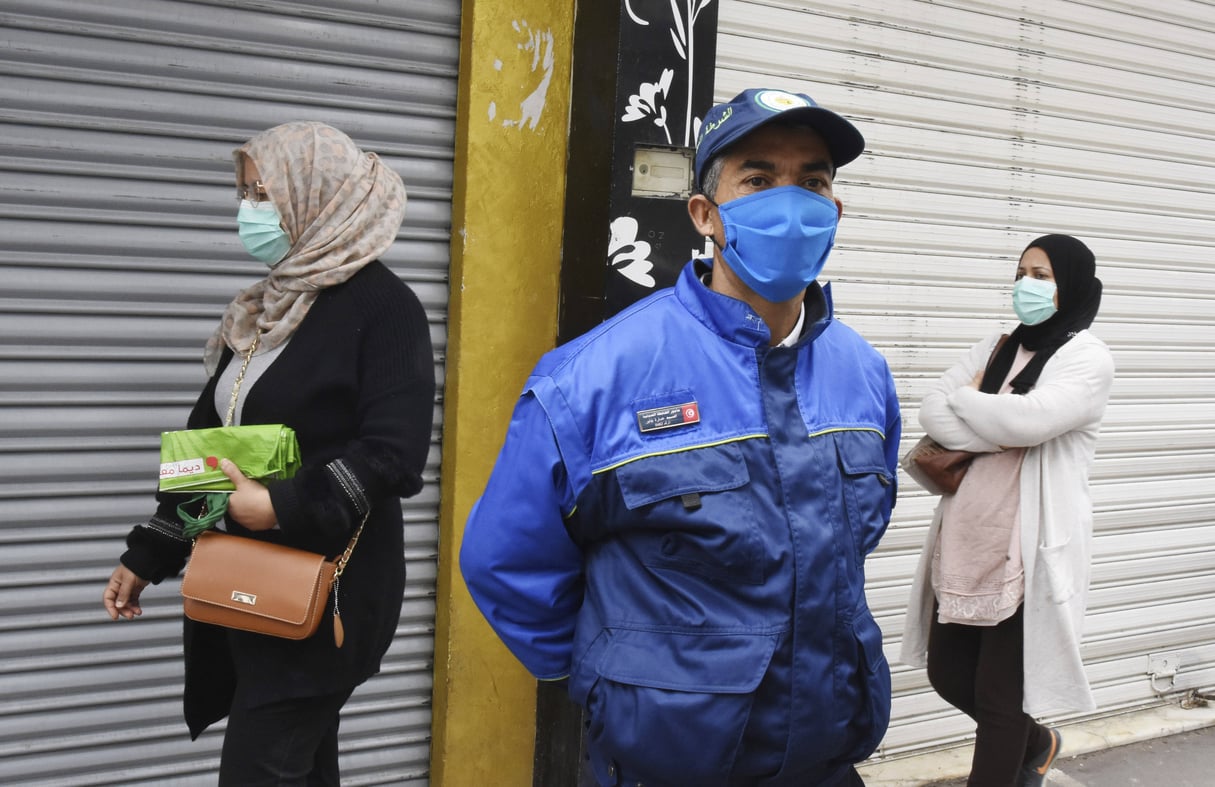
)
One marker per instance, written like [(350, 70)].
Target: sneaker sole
[(1055, 740)]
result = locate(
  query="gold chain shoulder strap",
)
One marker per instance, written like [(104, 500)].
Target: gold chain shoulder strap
[(345, 558), (339, 632), (240, 378)]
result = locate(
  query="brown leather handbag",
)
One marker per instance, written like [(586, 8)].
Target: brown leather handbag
[(940, 470), (259, 586)]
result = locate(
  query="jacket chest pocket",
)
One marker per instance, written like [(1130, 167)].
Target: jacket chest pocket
[(868, 487), (691, 511)]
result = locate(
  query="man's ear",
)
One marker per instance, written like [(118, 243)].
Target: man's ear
[(700, 210), (839, 207)]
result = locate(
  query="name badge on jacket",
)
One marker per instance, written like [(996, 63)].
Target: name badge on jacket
[(657, 418)]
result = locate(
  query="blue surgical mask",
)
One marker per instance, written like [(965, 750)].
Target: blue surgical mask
[(777, 240), (1034, 300), (261, 231)]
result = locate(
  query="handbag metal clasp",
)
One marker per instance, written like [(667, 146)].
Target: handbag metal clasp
[(244, 598)]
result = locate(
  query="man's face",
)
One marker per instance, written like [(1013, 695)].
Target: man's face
[(771, 156), (776, 155)]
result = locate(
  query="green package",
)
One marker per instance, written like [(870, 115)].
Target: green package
[(189, 459)]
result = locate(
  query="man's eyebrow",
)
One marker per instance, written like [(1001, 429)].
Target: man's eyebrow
[(822, 165), (762, 164)]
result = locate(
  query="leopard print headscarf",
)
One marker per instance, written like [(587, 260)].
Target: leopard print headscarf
[(341, 209)]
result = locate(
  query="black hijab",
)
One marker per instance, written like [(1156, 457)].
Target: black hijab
[(1079, 298)]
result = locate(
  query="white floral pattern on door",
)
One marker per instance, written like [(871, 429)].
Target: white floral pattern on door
[(626, 254)]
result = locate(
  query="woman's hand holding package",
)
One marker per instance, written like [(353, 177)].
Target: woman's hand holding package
[(250, 504)]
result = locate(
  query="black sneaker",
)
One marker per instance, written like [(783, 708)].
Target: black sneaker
[(1033, 773)]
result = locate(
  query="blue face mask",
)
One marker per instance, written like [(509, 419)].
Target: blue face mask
[(261, 232), (777, 240), (1034, 300)]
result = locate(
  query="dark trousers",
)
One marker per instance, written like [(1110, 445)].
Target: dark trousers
[(980, 671), (292, 743)]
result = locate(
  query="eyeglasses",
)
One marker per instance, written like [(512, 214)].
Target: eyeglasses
[(255, 195)]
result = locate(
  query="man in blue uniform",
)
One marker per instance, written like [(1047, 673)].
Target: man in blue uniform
[(679, 517)]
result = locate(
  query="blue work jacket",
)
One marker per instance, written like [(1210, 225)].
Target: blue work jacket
[(678, 521)]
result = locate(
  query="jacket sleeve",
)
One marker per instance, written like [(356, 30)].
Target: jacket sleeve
[(519, 562), (937, 415), (894, 432), (1071, 393)]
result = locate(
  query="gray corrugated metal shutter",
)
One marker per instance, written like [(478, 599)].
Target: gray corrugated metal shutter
[(987, 126), (117, 252)]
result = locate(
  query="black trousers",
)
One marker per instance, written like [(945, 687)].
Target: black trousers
[(292, 743), (980, 671)]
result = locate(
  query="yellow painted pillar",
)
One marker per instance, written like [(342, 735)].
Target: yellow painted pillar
[(507, 220)]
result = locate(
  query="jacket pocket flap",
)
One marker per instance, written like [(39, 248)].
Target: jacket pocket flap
[(663, 476), (711, 663), (861, 452), (870, 637)]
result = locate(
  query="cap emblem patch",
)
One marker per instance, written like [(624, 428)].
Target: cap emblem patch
[(780, 101)]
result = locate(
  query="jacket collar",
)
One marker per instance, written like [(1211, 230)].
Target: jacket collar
[(734, 320)]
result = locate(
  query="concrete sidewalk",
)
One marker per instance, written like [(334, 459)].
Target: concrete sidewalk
[(1161, 747), (1183, 760)]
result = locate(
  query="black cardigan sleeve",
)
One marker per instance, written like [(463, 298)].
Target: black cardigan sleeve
[(394, 412), (159, 549)]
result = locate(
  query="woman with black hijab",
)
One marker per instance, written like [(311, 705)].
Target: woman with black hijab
[(998, 599)]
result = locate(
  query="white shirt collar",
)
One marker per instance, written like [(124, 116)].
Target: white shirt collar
[(796, 333)]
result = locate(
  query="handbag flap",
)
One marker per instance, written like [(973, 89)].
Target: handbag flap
[(256, 577)]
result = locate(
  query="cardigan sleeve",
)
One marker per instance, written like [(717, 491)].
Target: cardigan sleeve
[(394, 412), (937, 415), (158, 549), (1071, 393)]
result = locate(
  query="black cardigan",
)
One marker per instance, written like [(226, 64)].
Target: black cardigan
[(356, 383)]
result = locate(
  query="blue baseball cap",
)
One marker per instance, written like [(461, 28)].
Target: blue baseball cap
[(726, 123)]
